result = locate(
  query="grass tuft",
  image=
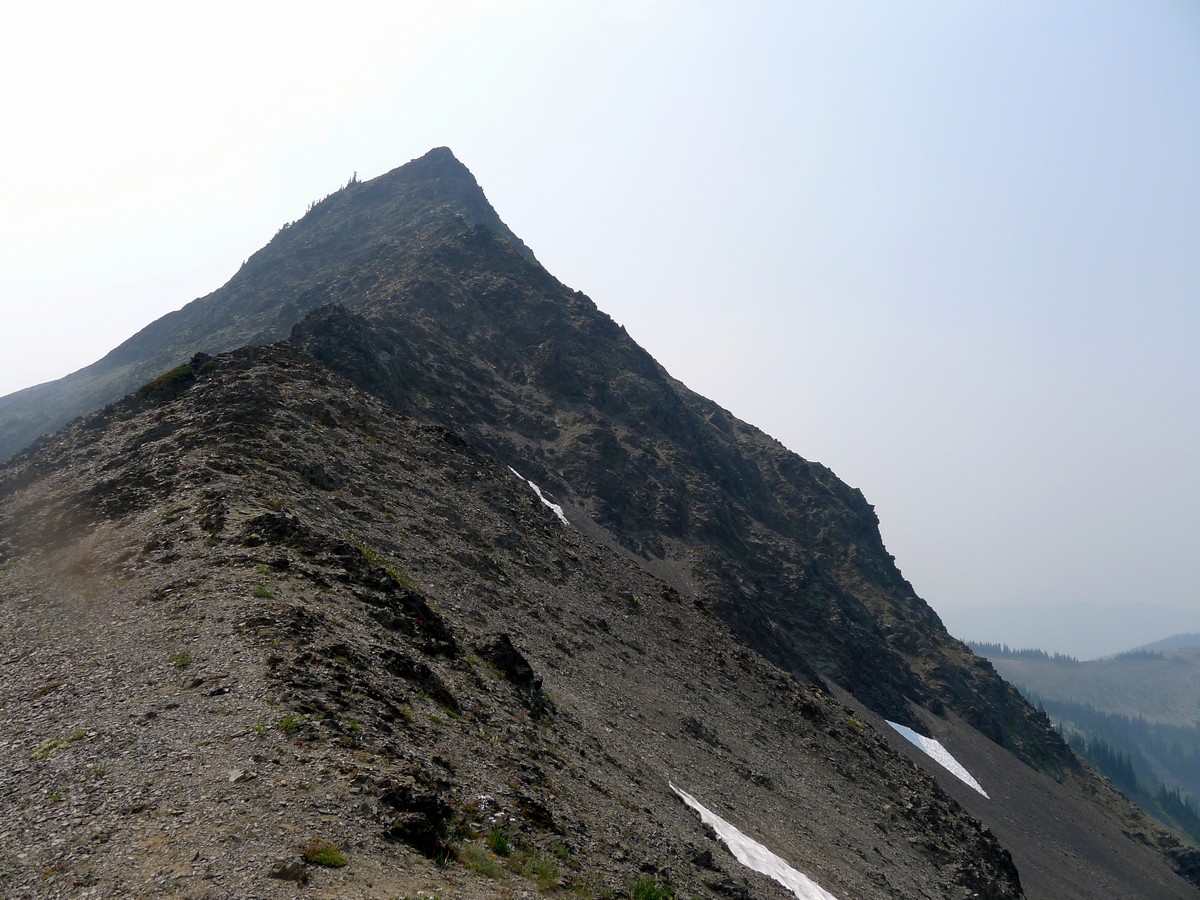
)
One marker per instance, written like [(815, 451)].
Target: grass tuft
[(322, 853), (479, 860), (497, 842), (290, 723), (651, 889)]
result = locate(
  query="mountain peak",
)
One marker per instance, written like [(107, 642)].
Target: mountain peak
[(438, 163), (392, 217), (442, 156), (426, 188)]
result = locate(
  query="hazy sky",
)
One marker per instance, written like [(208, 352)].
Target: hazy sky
[(951, 250)]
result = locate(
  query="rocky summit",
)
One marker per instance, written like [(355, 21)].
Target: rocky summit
[(396, 568)]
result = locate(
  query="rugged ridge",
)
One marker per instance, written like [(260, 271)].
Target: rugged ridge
[(463, 326), (250, 607), (411, 287)]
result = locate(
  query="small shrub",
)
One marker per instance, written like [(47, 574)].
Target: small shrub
[(562, 853), (497, 842), (183, 659), (380, 561), (290, 723), (323, 853), (169, 384), (264, 591), (535, 867), (260, 726), (541, 870)]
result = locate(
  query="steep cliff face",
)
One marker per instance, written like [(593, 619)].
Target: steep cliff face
[(410, 287), (473, 334)]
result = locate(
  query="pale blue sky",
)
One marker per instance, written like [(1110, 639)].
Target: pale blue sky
[(951, 250)]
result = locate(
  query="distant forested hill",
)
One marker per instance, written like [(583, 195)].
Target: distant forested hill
[(1083, 629), (1175, 642), (1158, 685), (1134, 716)]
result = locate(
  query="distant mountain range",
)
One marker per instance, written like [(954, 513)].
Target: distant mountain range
[(1079, 629), (278, 607), (1186, 641)]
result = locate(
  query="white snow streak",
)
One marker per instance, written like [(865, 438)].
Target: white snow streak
[(941, 756), (554, 507), (753, 855)]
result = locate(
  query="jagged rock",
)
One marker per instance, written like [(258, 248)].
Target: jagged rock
[(422, 819), (291, 870), (501, 653)]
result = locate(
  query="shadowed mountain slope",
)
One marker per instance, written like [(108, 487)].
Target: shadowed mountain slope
[(411, 288)]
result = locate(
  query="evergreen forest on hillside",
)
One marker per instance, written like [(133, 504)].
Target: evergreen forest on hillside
[(1155, 764), (1003, 651)]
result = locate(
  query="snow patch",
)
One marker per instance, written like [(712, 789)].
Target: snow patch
[(940, 755), (553, 507), (753, 855)]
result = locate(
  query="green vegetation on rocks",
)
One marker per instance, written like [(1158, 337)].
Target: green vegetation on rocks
[(323, 853), (52, 747)]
